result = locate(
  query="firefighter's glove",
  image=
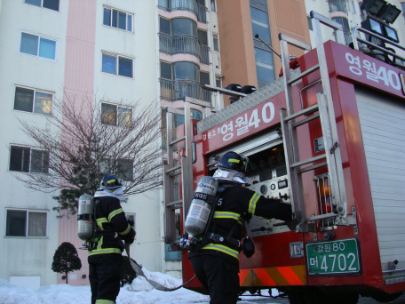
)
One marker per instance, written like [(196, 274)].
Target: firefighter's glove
[(131, 236)]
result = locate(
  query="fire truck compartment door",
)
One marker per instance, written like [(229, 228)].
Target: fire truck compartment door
[(247, 148), (382, 121)]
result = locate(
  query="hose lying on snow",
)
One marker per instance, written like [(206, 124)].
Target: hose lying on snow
[(138, 269)]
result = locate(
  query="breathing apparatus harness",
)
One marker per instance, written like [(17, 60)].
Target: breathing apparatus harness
[(98, 232), (196, 243)]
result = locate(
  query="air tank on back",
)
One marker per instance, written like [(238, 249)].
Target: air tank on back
[(85, 217), (201, 206)]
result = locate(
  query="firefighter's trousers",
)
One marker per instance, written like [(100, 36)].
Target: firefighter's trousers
[(218, 276), (105, 273)]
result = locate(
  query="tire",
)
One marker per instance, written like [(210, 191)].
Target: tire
[(386, 297), (317, 296), (297, 298)]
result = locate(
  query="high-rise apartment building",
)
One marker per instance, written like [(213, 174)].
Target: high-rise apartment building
[(247, 61), (117, 52)]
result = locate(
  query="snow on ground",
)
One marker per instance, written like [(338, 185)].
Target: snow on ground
[(139, 292)]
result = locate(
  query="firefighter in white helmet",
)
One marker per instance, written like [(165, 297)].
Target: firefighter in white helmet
[(112, 229), (215, 259)]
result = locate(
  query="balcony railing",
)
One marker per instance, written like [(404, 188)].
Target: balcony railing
[(183, 44), (180, 89), (199, 11), (338, 6)]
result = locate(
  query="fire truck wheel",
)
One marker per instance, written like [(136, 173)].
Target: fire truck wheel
[(386, 297), (317, 296), (297, 298)]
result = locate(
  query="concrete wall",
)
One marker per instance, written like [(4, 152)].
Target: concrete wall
[(140, 45), (81, 38), (27, 256)]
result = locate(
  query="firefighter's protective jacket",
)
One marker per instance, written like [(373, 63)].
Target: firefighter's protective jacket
[(113, 227), (232, 206)]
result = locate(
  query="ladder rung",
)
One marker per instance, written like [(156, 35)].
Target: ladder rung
[(174, 203), (307, 161), (306, 120), (308, 110), (177, 140), (310, 168), (172, 174), (303, 74), (320, 217), (173, 169)]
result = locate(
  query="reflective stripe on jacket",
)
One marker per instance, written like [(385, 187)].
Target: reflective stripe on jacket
[(113, 224), (238, 201)]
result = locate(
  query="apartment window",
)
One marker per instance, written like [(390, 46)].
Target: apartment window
[(51, 4), (264, 67), (113, 64), (116, 115), (131, 217), (204, 78), (38, 46), (213, 5), (117, 19), (216, 43), (125, 169), (183, 27), (33, 101), (202, 37), (164, 26), (218, 82), (165, 70), (27, 223), (260, 24), (346, 28), (179, 119), (24, 159)]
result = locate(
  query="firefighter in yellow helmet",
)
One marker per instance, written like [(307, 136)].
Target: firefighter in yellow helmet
[(215, 259), (112, 229)]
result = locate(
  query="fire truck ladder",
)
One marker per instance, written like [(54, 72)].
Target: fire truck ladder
[(185, 169), (325, 112)]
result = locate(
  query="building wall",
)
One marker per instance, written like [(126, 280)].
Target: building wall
[(236, 43), (77, 72), (27, 256), (140, 46), (288, 17)]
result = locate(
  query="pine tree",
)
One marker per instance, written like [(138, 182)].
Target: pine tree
[(66, 259)]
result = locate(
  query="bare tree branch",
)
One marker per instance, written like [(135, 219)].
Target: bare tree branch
[(86, 140)]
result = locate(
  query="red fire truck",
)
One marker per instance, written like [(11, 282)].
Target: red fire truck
[(329, 139)]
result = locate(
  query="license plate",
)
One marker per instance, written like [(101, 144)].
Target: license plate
[(334, 257)]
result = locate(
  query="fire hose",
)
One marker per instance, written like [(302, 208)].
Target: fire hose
[(138, 269)]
